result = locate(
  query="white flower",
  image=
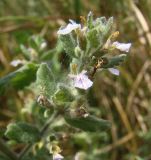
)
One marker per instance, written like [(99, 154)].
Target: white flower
[(57, 156), (43, 45), (16, 62), (114, 71), (69, 28), (122, 46), (81, 80), (80, 155)]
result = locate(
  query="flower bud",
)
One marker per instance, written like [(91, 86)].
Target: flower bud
[(43, 101)]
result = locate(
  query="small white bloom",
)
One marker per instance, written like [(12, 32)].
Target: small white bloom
[(80, 155), (16, 62), (81, 80), (43, 45), (122, 46), (69, 28), (57, 156), (114, 71)]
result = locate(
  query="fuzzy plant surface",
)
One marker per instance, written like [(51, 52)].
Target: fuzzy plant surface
[(62, 92)]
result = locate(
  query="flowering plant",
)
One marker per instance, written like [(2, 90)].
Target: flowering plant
[(90, 49)]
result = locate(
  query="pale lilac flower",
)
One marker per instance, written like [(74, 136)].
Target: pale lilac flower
[(16, 62), (114, 71), (81, 80), (125, 47), (69, 28), (57, 156)]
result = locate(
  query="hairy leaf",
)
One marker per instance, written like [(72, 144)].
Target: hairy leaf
[(19, 78), (22, 132), (68, 43), (115, 61), (45, 80), (89, 123), (63, 95)]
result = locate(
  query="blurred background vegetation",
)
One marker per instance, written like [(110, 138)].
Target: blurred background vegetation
[(124, 100)]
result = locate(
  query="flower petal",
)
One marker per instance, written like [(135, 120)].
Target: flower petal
[(83, 72), (114, 71), (81, 80), (43, 45), (16, 62), (83, 83), (122, 46), (69, 28), (57, 156), (72, 21)]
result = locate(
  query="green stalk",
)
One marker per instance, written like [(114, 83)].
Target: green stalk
[(4, 148)]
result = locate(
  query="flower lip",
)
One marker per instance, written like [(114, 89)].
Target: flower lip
[(72, 21), (16, 62), (81, 80), (125, 47), (57, 156), (114, 71), (69, 28)]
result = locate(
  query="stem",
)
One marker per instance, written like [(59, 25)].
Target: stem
[(77, 7), (42, 132), (4, 148)]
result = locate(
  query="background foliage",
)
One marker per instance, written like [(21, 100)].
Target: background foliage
[(125, 100)]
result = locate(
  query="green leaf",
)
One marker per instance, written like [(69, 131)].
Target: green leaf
[(48, 55), (90, 20), (62, 96), (139, 158), (3, 157), (147, 136), (68, 43), (25, 52), (93, 38), (19, 78), (45, 80), (36, 41), (108, 26), (22, 132), (98, 33), (89, 123), (48, 113), (115, 61)]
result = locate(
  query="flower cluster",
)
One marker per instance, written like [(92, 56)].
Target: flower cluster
[(81, 79)]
